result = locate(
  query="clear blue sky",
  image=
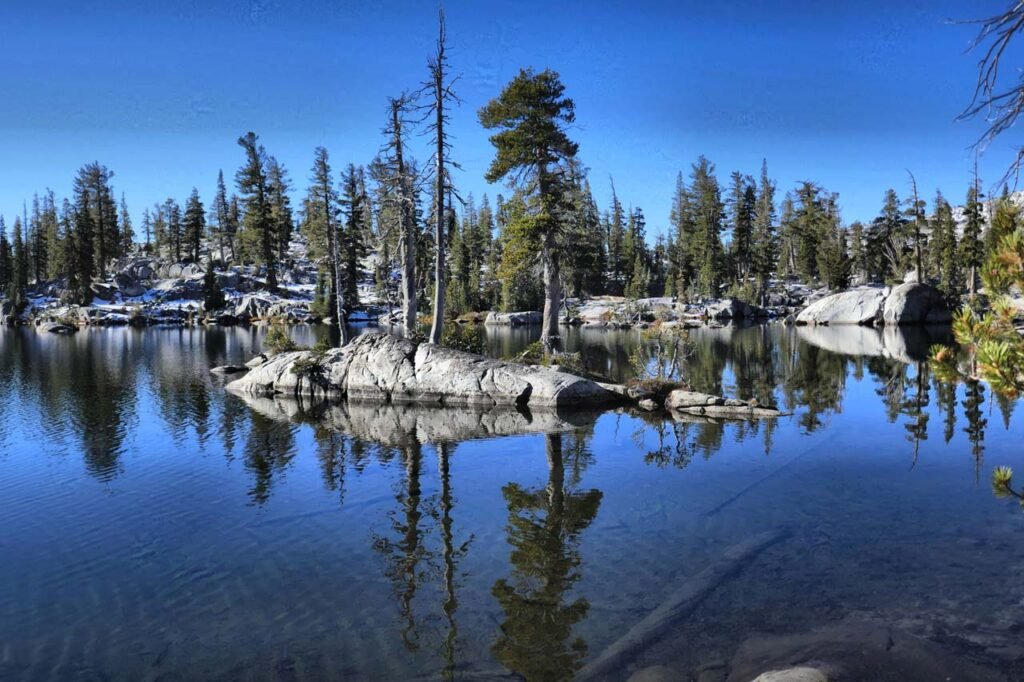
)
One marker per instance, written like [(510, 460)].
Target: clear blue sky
[(845, 94)]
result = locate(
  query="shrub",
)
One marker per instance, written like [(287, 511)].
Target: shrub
[(277, 340), (464, 337)]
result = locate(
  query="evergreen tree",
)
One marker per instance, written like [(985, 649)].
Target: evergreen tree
[(173, 232), (943, 249), (194, 225), (741, 206), (258, 219), (1006, 219), (706, 245), (532, 151), (320, 228), (213, 296), (680, 259), (352, 247), (222, 228), (616, 229), (971, 246), (280, 205), (127, 232), (147, 229), (886, 243), (6, 259), (858, 252), (94, 179)]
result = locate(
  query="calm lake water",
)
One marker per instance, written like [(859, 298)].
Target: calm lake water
[(156, 527)]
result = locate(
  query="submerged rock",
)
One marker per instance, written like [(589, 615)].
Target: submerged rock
[(799, 674), (229, 369), (385, 368)]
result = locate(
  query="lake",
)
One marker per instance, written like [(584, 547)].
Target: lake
[(156, 527)]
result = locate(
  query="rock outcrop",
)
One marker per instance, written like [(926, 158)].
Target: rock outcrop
[(382, 368), (909, 303), (914, 303), (706, 405), (734, 309), (856, 306), (519, 319)]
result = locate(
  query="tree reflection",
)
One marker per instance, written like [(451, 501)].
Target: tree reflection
[(536, 639), (269, 448)]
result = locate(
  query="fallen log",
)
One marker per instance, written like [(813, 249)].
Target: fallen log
[(679, 604)]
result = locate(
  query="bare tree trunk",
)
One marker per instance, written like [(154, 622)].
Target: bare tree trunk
[(339, 300), (407, 243), (549, 336), (437, 326)]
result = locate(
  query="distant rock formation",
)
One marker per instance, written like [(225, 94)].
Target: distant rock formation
[(909, 303)]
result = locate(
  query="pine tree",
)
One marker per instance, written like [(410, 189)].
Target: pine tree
[(530, 116), (943, 249), (887, 243), (321, 230), (6, 259), (397, 179), (278, 186), (681, 260), (147, 229), (741, 207), (971, 247), (86, 204), (222, 228), (94, 179), (258, 219), (194, 225), (1006, 219), (127, 233), (213, 297), (616, 229), (763, 241), (706, 246), (173, 232), (352, 247)]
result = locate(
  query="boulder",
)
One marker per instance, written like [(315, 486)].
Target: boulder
[(129, 286), (706, 405), (384, 368), (856, 306), (914, 303), (104, 292), (229, 369), (252, 307), (733, 309), (513, 319), (682, 399), (60, 328)]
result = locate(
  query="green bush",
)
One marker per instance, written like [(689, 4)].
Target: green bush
[(277, 340), (464, 337)]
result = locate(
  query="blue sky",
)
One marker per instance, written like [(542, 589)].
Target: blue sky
[(845, 94)]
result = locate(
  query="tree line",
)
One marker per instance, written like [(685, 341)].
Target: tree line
[(545, 240)]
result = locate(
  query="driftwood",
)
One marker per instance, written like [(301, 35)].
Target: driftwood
[(679, 604)]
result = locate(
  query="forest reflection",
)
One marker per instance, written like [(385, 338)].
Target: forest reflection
[(91, 391)]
